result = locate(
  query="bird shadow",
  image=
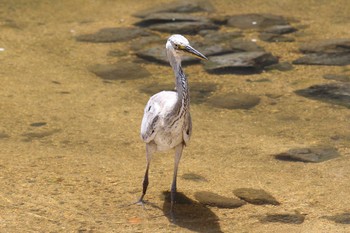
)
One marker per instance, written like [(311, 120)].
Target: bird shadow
[(190, 214)]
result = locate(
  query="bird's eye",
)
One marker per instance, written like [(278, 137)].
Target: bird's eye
[(176, 46)]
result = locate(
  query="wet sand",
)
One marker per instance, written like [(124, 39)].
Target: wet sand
[(81, 165)]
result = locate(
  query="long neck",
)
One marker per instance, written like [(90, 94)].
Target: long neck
[(183, 101)]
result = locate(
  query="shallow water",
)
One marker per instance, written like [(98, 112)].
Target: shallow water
[(82, 169)]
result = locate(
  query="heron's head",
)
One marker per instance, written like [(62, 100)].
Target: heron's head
[(179, 45)]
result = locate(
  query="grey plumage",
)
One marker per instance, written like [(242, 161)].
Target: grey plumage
[(166, 122)]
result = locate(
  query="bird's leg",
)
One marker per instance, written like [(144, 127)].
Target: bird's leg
[(149, 152), (178, 153)]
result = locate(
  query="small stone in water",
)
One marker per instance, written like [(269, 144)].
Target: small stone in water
[(311, 155), (284, 218), (255, 196), (213, 199)]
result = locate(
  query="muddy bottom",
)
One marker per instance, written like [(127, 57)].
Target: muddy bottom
[(71, 157)]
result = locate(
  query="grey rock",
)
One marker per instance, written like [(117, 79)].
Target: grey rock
[(256, 21), (199, 91), (178, 7), (242, 62), (255, 196), (329, 52), (213, 199), (327, 46), (108, 35), (330, 59), (161, 18), (309, 155), (234, 101), (279, 29), (343, 218), (120, 71), (283, 218), (271, 37), (189, 28), (337, 77), (335, 93)]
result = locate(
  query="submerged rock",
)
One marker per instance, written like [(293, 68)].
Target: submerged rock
[(279, 29), (329, 52), (108, 35), (199, 91), (242, 62), (189, 27), (309, 155), (213, 199), (178, 7), (330, 59), (337, 77), (194, 177), (255, 196), (256, 21), (343, 218), (234, 101), (120, 71), (284, 218), (156, 51), (271, 37), (335, 93)]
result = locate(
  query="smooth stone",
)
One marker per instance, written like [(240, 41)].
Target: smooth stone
[(283, 218), (178, 7), (329, 59), (155, 52), (188, 28), (255, 21), (213, 36), (326, 46), (199, 91), (255, 196), (280, 29), (271, 37), (120, 71), (194, 177), (234, 101), (309, 155), (108, 35), (328, 52), (343, 218), (213, 199), (161, 18), (241, 62), (335, 93), (38, 124), (337, 77)]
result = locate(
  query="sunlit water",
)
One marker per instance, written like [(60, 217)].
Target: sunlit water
[(82, 169)]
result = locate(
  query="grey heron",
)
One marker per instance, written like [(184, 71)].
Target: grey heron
[(166, 122)]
